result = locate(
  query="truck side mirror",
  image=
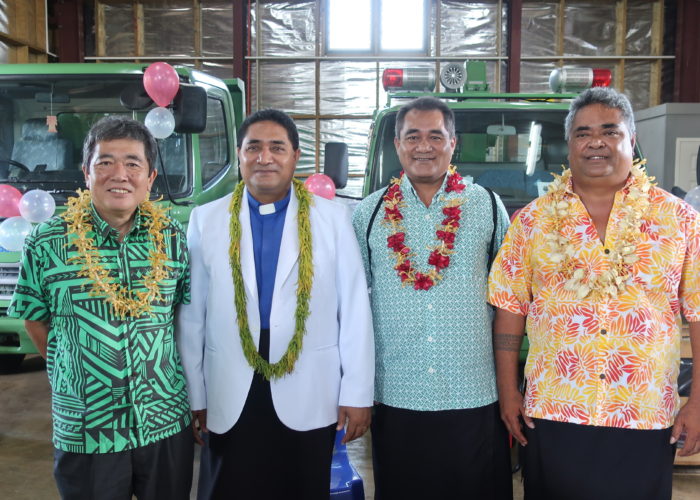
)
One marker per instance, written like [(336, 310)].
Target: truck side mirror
[(190, 109), (336, 163)]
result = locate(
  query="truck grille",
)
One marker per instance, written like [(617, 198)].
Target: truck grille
[(9, 273)]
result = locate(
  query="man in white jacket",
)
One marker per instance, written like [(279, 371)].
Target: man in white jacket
[(277, 342)]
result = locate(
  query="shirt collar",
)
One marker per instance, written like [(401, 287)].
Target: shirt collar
[(569, 188), (254, 204), (103, 231), (406, 183)]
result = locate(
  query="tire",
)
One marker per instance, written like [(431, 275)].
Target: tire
[(10, 363)]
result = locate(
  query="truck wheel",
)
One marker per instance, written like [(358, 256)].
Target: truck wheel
[(10, 363)]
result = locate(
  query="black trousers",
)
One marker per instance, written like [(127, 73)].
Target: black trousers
[(159, 471), (450, 454), (584, 462), (260, 458)]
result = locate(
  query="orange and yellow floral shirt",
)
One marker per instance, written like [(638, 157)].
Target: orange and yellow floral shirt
[(610, 361)]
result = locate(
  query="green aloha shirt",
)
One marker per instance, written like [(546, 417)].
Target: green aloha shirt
[(433, 348), (117, 384)]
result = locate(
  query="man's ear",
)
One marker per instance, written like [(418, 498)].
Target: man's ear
[(152, 177), (396, 143), (86, 173), (297, 154), (633, 140)]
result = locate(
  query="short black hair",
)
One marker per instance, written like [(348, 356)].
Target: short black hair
[(115, 127), (608, 97), (270, 115), (426, 103)]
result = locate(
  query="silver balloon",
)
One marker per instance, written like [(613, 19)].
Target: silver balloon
[(160, 122), (13, 231), (693, 198), (37, 205)]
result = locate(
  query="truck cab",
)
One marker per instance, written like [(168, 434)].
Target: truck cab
[(46, 111)]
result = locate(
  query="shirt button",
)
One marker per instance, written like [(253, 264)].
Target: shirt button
[(607, 250), (602, 376), (430, 306), (430, 339), (427, 217), (431, 370), (603, 331)]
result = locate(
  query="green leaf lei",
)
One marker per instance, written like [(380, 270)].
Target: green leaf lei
[(304, 282)]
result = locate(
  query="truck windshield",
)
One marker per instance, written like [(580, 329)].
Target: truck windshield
[(513, 152), (44, 120)]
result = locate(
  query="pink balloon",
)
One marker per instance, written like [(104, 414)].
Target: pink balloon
[(161, 83), (321, 185), (9, 201)]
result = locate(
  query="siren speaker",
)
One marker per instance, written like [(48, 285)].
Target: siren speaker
[(453, 76)]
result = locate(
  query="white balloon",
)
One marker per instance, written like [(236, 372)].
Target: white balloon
[(160, 122), (37, 205), (13, 231), (693, 197)]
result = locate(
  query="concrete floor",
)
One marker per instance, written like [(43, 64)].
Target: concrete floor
[(26, 451)]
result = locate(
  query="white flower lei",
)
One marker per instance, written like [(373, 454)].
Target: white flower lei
[(621, 256)]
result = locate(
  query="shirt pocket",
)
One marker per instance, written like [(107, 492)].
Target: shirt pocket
[(168, 290)]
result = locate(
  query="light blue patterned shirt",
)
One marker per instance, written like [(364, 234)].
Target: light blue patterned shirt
[(433, 348)]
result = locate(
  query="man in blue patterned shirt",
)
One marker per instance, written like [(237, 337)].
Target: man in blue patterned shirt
[(425, 241), (97, 290)]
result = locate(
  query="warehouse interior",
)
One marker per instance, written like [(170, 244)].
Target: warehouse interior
[(290, 56)]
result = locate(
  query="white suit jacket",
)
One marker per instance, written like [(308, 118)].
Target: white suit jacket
[(336, 364)]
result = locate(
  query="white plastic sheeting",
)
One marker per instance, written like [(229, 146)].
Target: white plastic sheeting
[(286, 29), (4, 53), (348, 88), (168, 28), (589, 30), (4, 19), (285, 85), (169, 31), (538, 29), (120, 37), (217, 35), (470, 28)]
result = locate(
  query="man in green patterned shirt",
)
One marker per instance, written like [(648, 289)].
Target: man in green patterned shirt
[(425, 243), (97, 290)]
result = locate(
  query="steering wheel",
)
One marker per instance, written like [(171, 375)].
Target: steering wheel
[(15, 163)]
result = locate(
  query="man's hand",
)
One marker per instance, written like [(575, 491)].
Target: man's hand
[(511, 410), (358, 420), (688, 424), (199, 423), (38, 331)]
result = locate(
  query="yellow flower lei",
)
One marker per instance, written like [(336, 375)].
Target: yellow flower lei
[(122, 300), (304, 282), (621, 256)]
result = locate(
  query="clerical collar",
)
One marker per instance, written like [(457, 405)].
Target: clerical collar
[(267, 208)]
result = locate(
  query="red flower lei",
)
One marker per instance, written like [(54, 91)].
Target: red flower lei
[(440, 255)]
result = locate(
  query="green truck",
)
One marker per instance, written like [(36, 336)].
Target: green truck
[(196, 164)]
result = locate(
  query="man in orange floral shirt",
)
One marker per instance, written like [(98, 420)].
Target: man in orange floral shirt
[(599, 270)]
